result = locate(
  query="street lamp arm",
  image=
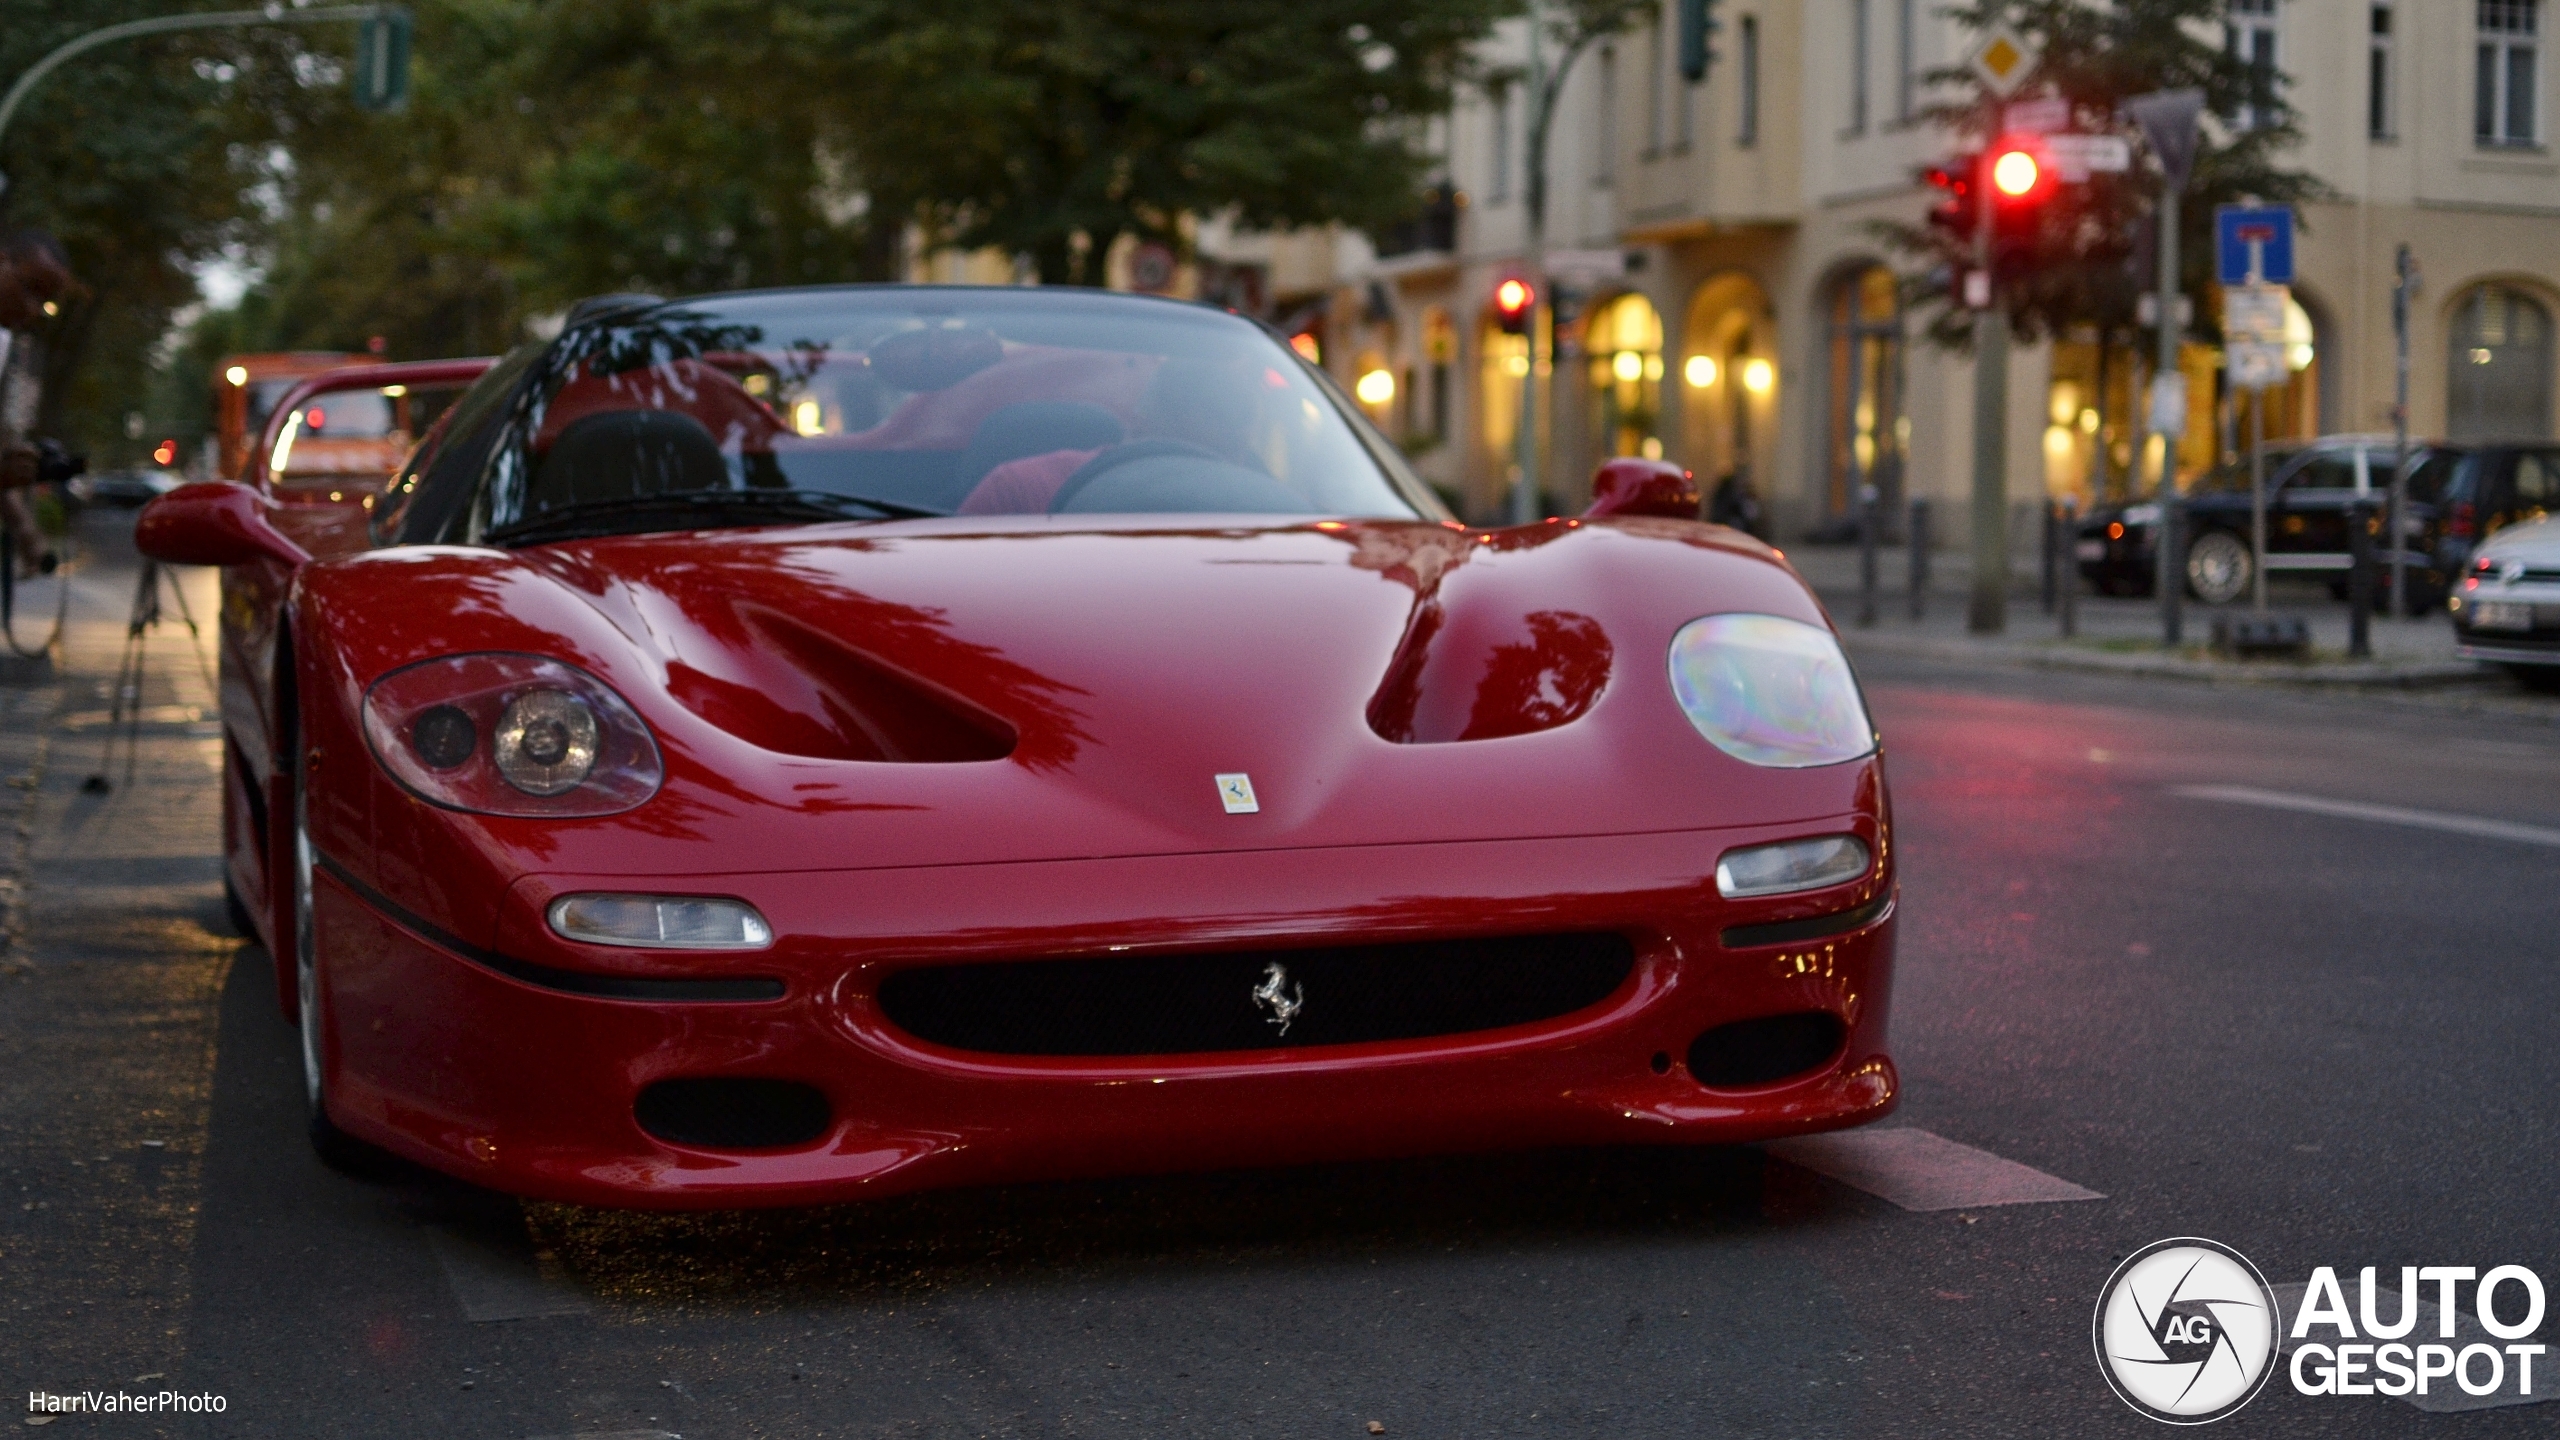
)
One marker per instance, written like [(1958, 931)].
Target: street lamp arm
[(163, 25)]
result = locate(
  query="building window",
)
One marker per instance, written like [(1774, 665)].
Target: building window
[(1857, 68), (1498, 101), (2377, 102), (1906, 60), (2251, 35), (1604, 167), (1624, 343), (1747, 132), (1655, 67), (2498, 369), (2510, 71), (1684, 115)]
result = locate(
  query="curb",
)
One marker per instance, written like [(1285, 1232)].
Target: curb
[(2059, 655)]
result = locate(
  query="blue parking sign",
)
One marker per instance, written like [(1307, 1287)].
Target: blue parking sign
[(2241, 231)]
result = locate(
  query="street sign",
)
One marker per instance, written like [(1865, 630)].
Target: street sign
[(2003, 60), (2041, 116), (2254, 365), (382, 61), (2255, 313), (2078, 156), (2253, 243), (2169, 405)]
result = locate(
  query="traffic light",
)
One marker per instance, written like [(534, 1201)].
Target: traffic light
[(1513, 299), (1957, 212), (2019, 175), (1698, 27), (2022, 187)]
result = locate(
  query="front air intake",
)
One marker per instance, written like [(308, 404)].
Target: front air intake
[(1189, 1004), (732, 1113), (1750, 1053)]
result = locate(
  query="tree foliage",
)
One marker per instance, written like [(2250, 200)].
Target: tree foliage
[(2078, 262)]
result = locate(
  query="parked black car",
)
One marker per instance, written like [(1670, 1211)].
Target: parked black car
[(2458, 496)]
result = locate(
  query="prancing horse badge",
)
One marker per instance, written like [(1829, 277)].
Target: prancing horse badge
[(1278, 996), (1236, 793)]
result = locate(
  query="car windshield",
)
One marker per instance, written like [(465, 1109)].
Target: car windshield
[(791, 406), (347, 415)]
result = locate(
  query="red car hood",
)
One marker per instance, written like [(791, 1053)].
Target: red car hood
[(951, 692)]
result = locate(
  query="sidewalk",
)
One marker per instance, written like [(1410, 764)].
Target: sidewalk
[(2122, 636)]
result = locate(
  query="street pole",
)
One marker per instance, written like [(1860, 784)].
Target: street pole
[(1524, 494), (162, 25), (1988, 614), (2258, 499), (2403, 284), (2171, 547)]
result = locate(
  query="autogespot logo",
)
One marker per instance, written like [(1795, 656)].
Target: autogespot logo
[(2186, 1330)]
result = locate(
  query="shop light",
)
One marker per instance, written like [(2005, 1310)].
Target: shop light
[(1700, 372)]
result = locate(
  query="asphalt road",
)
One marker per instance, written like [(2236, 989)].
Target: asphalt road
[(2316, 1038)]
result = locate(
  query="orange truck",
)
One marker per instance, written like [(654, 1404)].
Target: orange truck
[(347, 434)]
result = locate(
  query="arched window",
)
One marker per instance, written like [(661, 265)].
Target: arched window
[(1624, 346), (1865, 374), (2498, 366), (1728, 375)]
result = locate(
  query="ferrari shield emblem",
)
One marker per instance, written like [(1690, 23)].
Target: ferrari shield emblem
[(1236, 793)]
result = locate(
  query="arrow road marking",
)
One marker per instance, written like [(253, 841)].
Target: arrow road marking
[(2380, 814)]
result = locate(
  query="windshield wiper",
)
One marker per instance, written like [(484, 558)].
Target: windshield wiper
[(694, 509)]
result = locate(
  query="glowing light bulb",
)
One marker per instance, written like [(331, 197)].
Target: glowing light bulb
[(1700, 372)]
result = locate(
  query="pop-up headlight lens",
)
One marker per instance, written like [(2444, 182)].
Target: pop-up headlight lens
[(1790, 866), (501, 734), (661, 922), (1770, 691)]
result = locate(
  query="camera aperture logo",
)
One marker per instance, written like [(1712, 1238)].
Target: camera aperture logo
[(2186, 1330)]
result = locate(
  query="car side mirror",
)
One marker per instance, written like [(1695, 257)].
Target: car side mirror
[(214, 522), (1643, 487)]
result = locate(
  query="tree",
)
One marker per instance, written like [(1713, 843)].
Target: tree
[(2074, 266), (1051, 128)]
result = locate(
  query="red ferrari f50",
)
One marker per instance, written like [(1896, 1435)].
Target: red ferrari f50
[(790, 746)]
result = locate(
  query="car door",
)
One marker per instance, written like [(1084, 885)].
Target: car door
[(2531, 491), (2307, 515)]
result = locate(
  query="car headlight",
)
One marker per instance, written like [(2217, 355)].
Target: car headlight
[(660, 922), (503, 734), (1791, 865), (1770, 691)]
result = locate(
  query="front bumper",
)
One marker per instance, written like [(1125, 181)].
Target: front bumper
[(2536, 644), (510, 1081)]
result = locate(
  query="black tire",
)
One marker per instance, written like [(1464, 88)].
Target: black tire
[(237, 913), (336, 1148)]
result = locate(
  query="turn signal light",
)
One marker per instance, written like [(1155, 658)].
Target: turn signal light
[(1791, 865), (660, 922)]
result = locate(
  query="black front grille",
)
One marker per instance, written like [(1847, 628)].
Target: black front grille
[(1198, 1003)]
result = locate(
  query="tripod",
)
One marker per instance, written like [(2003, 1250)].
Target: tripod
[(125, 709)]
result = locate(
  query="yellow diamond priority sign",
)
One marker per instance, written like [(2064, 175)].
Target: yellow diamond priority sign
[(2003, 60)]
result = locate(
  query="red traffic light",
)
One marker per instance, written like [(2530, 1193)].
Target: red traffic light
[(165, 453), (1512, 300), (2016, 172)]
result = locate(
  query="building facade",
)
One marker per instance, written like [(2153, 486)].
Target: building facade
[(1725, 301)]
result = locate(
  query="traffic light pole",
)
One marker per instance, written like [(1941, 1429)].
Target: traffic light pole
[(1989, 611), (2171, 547), (162, 25)]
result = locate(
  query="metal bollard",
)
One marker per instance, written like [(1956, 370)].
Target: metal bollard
[(2068, 582), (2050, 511), (2360, 580), (1919, 558), (1867, 556)]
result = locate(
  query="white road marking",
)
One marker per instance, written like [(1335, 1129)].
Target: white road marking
[(2381, 814), (2443, 1395), (1920, 1171), (492, 1285), (617, 1435)]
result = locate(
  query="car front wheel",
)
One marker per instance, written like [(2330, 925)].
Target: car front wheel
[(2219, 567), (336, 1147)]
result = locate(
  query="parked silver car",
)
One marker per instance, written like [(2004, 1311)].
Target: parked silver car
[(2507, 607)]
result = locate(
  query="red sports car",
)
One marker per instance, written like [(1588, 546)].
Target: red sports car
[(798, 745)]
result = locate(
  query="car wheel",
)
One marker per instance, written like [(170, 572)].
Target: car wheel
[(336, 1148), (2218, 567), (236, 912)]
